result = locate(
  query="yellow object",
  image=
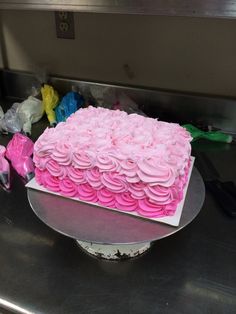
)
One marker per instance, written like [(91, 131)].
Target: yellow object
[(50, 101)]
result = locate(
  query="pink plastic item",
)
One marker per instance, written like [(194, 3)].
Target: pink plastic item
[(4, 169), (19, 152)]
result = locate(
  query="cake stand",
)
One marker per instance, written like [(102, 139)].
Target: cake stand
[(110, 234)]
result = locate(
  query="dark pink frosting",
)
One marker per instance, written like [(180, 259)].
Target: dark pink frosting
[(68, 187), (87, 193), (106, 198), (123, 201)]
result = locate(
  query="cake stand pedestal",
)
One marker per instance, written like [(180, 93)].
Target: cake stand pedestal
[(110, 234)]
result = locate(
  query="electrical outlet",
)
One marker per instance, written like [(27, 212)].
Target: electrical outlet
[(65, 25)]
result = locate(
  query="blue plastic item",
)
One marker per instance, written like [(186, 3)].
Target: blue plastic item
[(69, 104)]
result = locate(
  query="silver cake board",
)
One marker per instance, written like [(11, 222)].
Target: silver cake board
[(110, 234)]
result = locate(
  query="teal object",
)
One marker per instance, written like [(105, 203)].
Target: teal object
[(69, 104), (215, 136)]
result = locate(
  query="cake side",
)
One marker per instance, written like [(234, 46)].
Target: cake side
[(118, 160)]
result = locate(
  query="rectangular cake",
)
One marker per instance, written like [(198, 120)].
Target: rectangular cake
[(121, 161)]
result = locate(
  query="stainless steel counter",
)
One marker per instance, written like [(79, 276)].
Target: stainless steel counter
[(192, 271)]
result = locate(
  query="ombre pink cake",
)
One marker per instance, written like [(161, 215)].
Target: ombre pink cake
[(121, 161)]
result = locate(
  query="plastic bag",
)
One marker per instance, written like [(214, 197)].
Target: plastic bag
[(1, 113), (30, 111), (19, 152), (50, 101), (4, 169), (113, 98), (103, 96), (123, 102), (11, 122), (69, 104), (214, 136)]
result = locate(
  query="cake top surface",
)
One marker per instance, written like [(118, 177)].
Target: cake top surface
[(99, 133)]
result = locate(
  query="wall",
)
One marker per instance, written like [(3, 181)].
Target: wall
[(186, 54)]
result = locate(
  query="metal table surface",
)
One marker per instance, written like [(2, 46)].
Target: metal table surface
[(192, 271)]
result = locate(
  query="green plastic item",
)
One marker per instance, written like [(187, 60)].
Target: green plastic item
[(215, 136)]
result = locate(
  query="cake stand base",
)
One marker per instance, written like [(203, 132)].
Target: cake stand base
[(114, 251), (106, 233)]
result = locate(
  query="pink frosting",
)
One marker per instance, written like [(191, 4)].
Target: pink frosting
[(63, 153), (160, 194), (68, 187), (76, 175), (107, 163), (128, 162), (87, 193), (55, 170), (123, 201), (149, 209), (93, 177), (137, 190), (82, 160), (19, 151), (106, 198), (114, 182)]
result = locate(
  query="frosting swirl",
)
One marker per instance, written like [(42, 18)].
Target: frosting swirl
[(38, 175), (62, 154), (107, 163), (152, 171), (76, 175), (148, 209), (160, 194), (55, 170), (68, 187), (82, 160), (52, 183), (93, 177), (106, 197), (129, 169), (125, 202), (114, 182), (87, 193), (137, 190)]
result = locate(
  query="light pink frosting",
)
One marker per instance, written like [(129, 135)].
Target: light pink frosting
[(129, 162), (55, 170)]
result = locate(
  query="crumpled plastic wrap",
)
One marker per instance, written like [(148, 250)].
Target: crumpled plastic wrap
[(50, 101), (69, 104), (30, 111), (4, 169), (19, 152), (11, 121), (113, 98)]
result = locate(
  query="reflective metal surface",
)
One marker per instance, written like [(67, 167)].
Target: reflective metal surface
[(207, 8), (95, 224)]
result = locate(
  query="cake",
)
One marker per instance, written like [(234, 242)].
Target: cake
[(122, 161)]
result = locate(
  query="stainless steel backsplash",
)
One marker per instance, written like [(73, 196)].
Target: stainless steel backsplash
[(165, 105)]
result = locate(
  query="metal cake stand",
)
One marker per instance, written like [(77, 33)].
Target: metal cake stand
[(111, 234)]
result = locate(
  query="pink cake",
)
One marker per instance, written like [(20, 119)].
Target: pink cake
[(121, 161)]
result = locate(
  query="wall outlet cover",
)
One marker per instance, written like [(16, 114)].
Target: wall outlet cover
[(65, 25)]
